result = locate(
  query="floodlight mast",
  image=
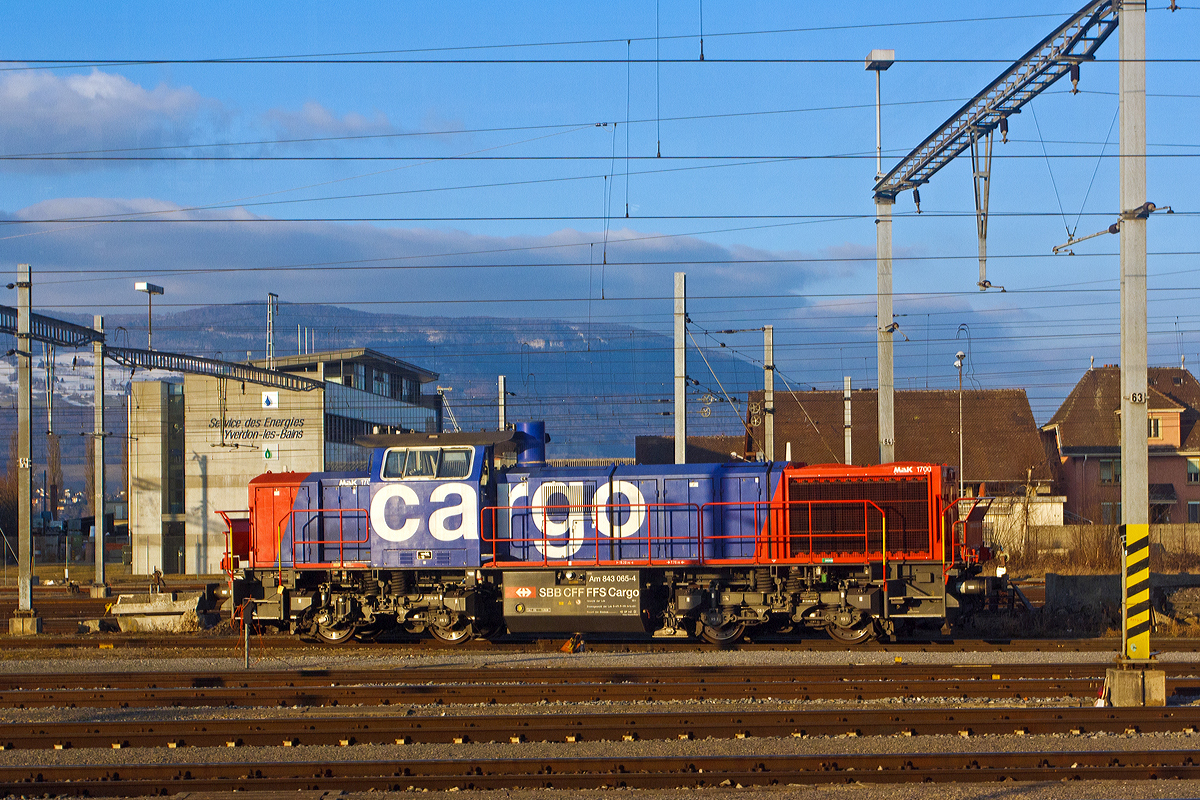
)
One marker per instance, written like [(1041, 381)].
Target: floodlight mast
[(878, 61), (1059, 54)]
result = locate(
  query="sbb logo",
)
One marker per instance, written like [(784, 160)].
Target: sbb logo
[(523, 592)]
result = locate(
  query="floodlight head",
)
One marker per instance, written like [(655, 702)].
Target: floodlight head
[(148, 288), (880, 60), (958, 364), (960, 355)]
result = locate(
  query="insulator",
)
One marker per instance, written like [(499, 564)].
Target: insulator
[(917, 199), (1075, 78), (1004, 129)]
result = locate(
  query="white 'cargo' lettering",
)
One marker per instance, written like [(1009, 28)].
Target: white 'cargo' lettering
[(467, 508), (636, 508), (379, 512)]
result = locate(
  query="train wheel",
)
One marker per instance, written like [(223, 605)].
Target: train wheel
[(864, 632), (457, 634), (368, 633), (725, 634), (488, 630), (327, 635)]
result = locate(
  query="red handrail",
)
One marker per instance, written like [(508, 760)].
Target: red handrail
[(782, 536), (228, 560), (341, 541), (544, 541)]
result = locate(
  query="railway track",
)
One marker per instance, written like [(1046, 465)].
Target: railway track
[(285, 643), (269, 754), (568, 773), (637, 725), (386, 687)]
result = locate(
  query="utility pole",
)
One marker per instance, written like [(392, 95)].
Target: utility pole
[(25, 621), (503, 421), (883, 349), (680, 368), (272, 312), (846, 419), (1135, 501), (98, 455), (769, 392), (878, 61)]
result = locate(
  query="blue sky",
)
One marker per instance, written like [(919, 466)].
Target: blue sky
[(469, 188)]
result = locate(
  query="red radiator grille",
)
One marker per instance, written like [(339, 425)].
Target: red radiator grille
[(839, 527)]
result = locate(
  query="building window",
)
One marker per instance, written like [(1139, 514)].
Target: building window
[(1193, 511), (1193, 474), (1110, 470), (1153, 428), (176, 445), (344, 430), (1110, 513), (382, 383), (1160, 514)]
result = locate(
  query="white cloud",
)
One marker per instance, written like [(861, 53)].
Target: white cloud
[(46, 113), (314, 119), (41, 112), (349, 263)]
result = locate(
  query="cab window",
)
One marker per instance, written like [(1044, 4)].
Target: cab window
[(455, 464), (426, 462), (421, 463), (393, 464)]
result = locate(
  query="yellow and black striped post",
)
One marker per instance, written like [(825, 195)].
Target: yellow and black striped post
[(1137, 592)]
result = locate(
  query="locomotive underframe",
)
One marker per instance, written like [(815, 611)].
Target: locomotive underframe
[(852, 602)]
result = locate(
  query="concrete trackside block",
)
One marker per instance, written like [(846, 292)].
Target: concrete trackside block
[(1136, 688), (1124, 688), (1155, 687), (27, 625), (98, 591)]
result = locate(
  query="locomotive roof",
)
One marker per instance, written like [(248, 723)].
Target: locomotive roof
[(498, 439)]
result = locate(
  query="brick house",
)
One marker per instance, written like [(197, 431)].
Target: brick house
[(1085, 433)]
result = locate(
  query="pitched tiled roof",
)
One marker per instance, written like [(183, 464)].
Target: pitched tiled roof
[(700, 449), (1088, 420), (1001, 441)]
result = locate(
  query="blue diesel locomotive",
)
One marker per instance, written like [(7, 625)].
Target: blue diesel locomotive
[(441, 537)]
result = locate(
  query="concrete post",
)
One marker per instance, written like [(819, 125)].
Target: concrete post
[(1135, 490), (846, 418), (769, 392), (883, 304), (98, 450), (25, 620), (503, 416), (680, 368)]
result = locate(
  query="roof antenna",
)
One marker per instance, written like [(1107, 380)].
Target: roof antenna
[(1093, 364)]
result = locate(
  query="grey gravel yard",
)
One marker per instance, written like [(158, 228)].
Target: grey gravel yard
[(228, 658)]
